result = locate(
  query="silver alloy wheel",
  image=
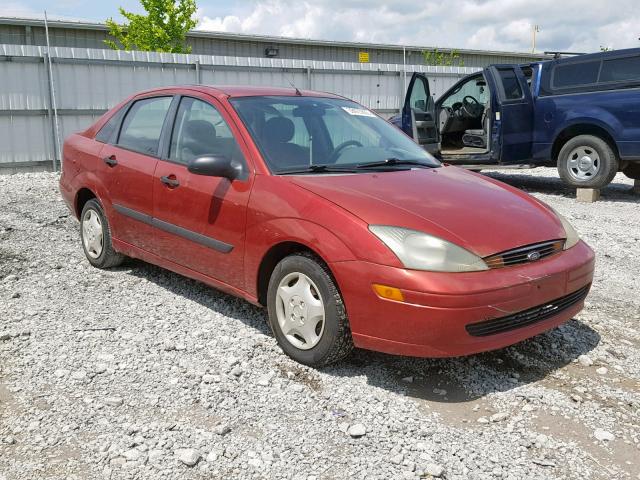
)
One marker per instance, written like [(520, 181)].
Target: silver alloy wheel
[(92, 236), (584, 163), (300, 310)]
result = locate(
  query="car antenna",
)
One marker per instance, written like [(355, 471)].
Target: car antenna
[(298, 92)]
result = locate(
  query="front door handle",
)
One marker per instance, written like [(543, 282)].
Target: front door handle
[(170, 181), (111, 161)]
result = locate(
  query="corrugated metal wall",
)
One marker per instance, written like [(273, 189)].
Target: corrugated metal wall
[(87, 82), (204, 43)]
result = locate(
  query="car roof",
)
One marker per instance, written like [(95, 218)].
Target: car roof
[(230, 91)]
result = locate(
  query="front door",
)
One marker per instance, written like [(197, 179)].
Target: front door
[(201, 220), (129, 162), (513, 121), (419, 114)]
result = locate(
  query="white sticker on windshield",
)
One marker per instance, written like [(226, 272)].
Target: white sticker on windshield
[(362, 112)]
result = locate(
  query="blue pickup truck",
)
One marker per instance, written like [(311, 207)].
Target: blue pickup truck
[(581, 114)]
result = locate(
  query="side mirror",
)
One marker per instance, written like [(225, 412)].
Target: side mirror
[(214, 166)]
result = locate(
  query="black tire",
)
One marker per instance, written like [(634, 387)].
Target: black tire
[(108, 256), (335, 342), (608, 166)]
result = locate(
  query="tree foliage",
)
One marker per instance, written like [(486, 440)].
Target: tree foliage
[(163, 29), (438, 58)]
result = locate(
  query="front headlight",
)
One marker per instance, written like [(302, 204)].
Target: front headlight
[(419, 251), (572, 235)]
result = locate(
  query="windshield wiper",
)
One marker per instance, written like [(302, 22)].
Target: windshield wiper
[(390, 162), (317, 169)]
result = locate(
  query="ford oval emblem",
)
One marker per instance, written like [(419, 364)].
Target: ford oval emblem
[(533, 256)]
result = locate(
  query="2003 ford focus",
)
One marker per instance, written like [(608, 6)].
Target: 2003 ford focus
[(313, 206)]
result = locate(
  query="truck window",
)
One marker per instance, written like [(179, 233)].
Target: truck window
[(576, 74), (620, 69), (510, 84)]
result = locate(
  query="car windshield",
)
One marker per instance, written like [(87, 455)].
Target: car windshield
[(312, 135)]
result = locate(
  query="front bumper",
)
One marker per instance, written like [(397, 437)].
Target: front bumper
[(438, 307)]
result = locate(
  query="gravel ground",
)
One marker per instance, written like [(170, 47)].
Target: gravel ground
[(139, 373)]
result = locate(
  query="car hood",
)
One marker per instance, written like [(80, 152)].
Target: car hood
[(478, 213)]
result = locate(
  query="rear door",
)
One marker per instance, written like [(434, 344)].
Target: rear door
[(129, 161), (513, 116), (201, 220), (419, 114)]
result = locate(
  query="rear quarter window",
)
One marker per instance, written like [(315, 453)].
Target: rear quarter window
[(620, 69)]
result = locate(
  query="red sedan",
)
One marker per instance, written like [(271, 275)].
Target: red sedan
[(313, 206)]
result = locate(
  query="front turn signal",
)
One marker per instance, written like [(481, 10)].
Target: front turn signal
[(390, 293)]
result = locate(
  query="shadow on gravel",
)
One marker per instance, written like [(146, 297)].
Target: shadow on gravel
[(454, 380), (615, 192), (465, 379), (209, 297)]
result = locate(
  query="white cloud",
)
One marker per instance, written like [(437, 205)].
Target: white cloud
[(576, 25)]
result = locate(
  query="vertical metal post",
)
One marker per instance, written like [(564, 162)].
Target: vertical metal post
[(57, 156), (309, 84), (198, 73), (54, 140)]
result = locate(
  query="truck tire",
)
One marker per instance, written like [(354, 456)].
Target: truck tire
[(587, 161), (632, 170)]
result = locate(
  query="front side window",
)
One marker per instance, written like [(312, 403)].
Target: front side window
[(200, 130), (142, 126), (475, 87), (307, 132)]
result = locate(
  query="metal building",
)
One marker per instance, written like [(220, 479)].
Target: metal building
[(20, 31)]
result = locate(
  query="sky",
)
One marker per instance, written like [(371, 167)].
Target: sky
[(565, 25)]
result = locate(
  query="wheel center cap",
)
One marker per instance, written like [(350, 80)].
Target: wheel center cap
[(585, 163), (298, 309)]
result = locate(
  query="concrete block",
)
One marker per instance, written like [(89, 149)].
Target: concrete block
[(587, 195)]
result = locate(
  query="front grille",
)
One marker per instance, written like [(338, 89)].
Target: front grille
[(530, 253), (526, 317)]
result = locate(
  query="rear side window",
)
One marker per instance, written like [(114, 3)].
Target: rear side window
[(142, 126), (108, 129), (620, 69), (510, 84), (576, 74), (200, 130)]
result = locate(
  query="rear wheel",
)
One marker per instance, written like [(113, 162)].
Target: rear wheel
[(96, 237), (306, 312), (587, 161)]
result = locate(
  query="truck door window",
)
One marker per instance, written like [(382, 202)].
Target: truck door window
[(620, 69), (510, 84), (419, 98)]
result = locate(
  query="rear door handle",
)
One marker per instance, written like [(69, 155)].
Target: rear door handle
[(169, 181), (111, 161)]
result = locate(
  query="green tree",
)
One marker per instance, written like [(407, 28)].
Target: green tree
[(163, 29), (438, 58)]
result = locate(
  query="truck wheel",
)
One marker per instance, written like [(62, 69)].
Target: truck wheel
[(587, 161), (306, 312), (632, 170)]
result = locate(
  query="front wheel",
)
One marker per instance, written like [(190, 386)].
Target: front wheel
[(587, 161), (306, 312)]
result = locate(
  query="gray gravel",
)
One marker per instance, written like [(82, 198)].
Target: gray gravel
[(139, 373)]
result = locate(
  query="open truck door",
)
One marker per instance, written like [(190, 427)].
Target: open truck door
[(419, 114), (512, 132)]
